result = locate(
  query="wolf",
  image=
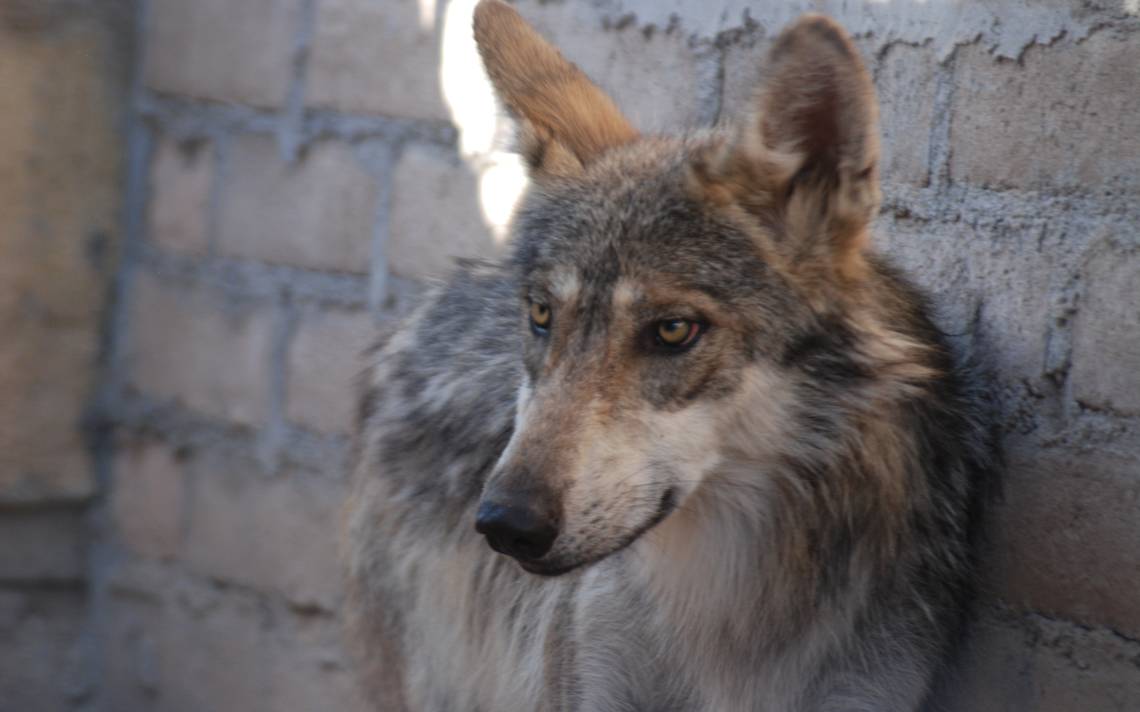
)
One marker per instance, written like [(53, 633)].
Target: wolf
[(692, 445)]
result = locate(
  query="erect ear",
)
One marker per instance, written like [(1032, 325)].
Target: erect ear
[(806, 159), (565, 121)]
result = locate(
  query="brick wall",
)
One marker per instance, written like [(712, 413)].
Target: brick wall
[(63, 68), (297, 169)]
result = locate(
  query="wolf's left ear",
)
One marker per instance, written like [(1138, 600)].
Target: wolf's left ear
[(565, 120), (808, 155)]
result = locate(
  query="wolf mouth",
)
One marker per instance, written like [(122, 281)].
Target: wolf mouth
[(552, 569)]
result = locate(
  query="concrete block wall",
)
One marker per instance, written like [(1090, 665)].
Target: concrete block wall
[(63, 69), (299, 169)]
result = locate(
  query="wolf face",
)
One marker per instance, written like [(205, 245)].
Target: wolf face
[(669, 287)]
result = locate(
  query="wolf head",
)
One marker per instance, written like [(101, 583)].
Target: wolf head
[(672, 288)]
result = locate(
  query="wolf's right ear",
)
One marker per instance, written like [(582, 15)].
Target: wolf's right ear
[(806, 158), (565, 121)]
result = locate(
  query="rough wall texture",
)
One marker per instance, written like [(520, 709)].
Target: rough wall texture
[(62, 98), (298, 168)]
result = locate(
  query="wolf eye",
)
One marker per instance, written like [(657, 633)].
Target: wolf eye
[(677, 333), (539, 317)]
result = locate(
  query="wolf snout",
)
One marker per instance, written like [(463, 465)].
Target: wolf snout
[(517, 529)]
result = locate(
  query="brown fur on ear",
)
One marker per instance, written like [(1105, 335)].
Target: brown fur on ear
[(808, 157), (566, 121)]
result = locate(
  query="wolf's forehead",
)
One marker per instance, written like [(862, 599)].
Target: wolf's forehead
[(565, 283)]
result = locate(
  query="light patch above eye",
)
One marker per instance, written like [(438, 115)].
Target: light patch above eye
[(626, 293), (564, 285)]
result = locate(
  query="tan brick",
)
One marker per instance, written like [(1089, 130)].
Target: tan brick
[(212, 357), (324, 360), (60, 160), (376, 56), (654, 76), (435, 215), (276, 534), (43, 546), (1065, 115), (46, 381), (1106, 333), (181, 178), (317, 213), (1037, 665), (1065, 537), (222, 50), (147, 499)]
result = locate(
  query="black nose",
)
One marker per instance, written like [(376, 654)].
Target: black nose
[(518, 531)]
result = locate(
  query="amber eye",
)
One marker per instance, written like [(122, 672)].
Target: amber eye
[(676, 333), (539, 316)]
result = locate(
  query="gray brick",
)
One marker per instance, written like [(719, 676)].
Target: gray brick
[(212, 653), (189, 346), (316, 213), (147, 501), (181, 178), (310, 669), (1106, 333), (1033, 664), (41, 636), (43, 546), (1065, 537), (222, 50), (376, 56), (743, 68), (324, 360), (990, 275), (906, 82), (1029, 124), (275, 534), (130, 652), (435, 215), (225, 650)]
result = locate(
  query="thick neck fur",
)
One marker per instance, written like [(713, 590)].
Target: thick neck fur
[(743, 576), (726, 594)]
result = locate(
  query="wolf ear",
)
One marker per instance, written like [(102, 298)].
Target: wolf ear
[(565, 120), (807, 157)]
